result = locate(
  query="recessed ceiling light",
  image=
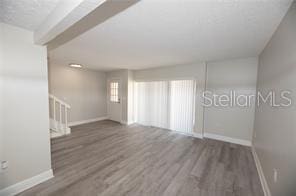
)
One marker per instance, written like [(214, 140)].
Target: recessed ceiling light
[(75, 65)]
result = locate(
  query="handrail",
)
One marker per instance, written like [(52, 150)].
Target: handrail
[(59, 100), (59, 113)]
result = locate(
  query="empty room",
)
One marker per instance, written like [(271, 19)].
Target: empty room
[(147, 97)]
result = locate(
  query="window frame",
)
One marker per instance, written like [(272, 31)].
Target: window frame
[(114, 92)]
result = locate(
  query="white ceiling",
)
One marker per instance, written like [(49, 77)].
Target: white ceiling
[(160, 33), (27, 14)]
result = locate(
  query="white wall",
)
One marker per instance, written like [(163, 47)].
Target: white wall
[(196, 71), (130, 96), (84, 90), (1, 95), (26, 143), (275, 128), (239, 75)]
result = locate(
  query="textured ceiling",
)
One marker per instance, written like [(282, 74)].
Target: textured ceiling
[(27, 14), (168, 32)]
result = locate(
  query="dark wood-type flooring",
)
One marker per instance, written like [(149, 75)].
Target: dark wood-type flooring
[(106, 158)]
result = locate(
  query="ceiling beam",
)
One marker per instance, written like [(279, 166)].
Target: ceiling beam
[(67, 13), (74, 17)]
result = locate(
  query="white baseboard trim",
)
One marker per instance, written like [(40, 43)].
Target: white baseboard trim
[(131, 122), (87, 121), (123, 122), (127, 123), (198, 135), (195, 135), (228, 139), (26, 184), (263, 181)]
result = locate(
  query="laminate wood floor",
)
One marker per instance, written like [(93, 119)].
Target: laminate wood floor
[(108, 159)]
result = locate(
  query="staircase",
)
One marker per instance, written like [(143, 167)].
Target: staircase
[(58, 115)]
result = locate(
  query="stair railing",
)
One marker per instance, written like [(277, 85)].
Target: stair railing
[(58, 116)]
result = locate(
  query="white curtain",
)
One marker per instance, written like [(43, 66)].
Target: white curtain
[(166, 104)]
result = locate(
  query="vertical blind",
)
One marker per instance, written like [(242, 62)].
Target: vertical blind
[(152, 104), (166, 104)]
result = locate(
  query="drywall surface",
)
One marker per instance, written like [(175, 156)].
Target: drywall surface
[(84, 90), (195, 71), (274, 130), (224, 77), (130, 95), (1, 94), (24, 100)]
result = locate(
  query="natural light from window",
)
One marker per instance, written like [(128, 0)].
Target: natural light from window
[(114, 96)]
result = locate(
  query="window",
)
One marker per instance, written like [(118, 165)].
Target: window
[(182, 105), (114, 96), (166, 104)]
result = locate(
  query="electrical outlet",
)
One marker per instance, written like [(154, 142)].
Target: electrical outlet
[(275, 175), (4, 165)]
